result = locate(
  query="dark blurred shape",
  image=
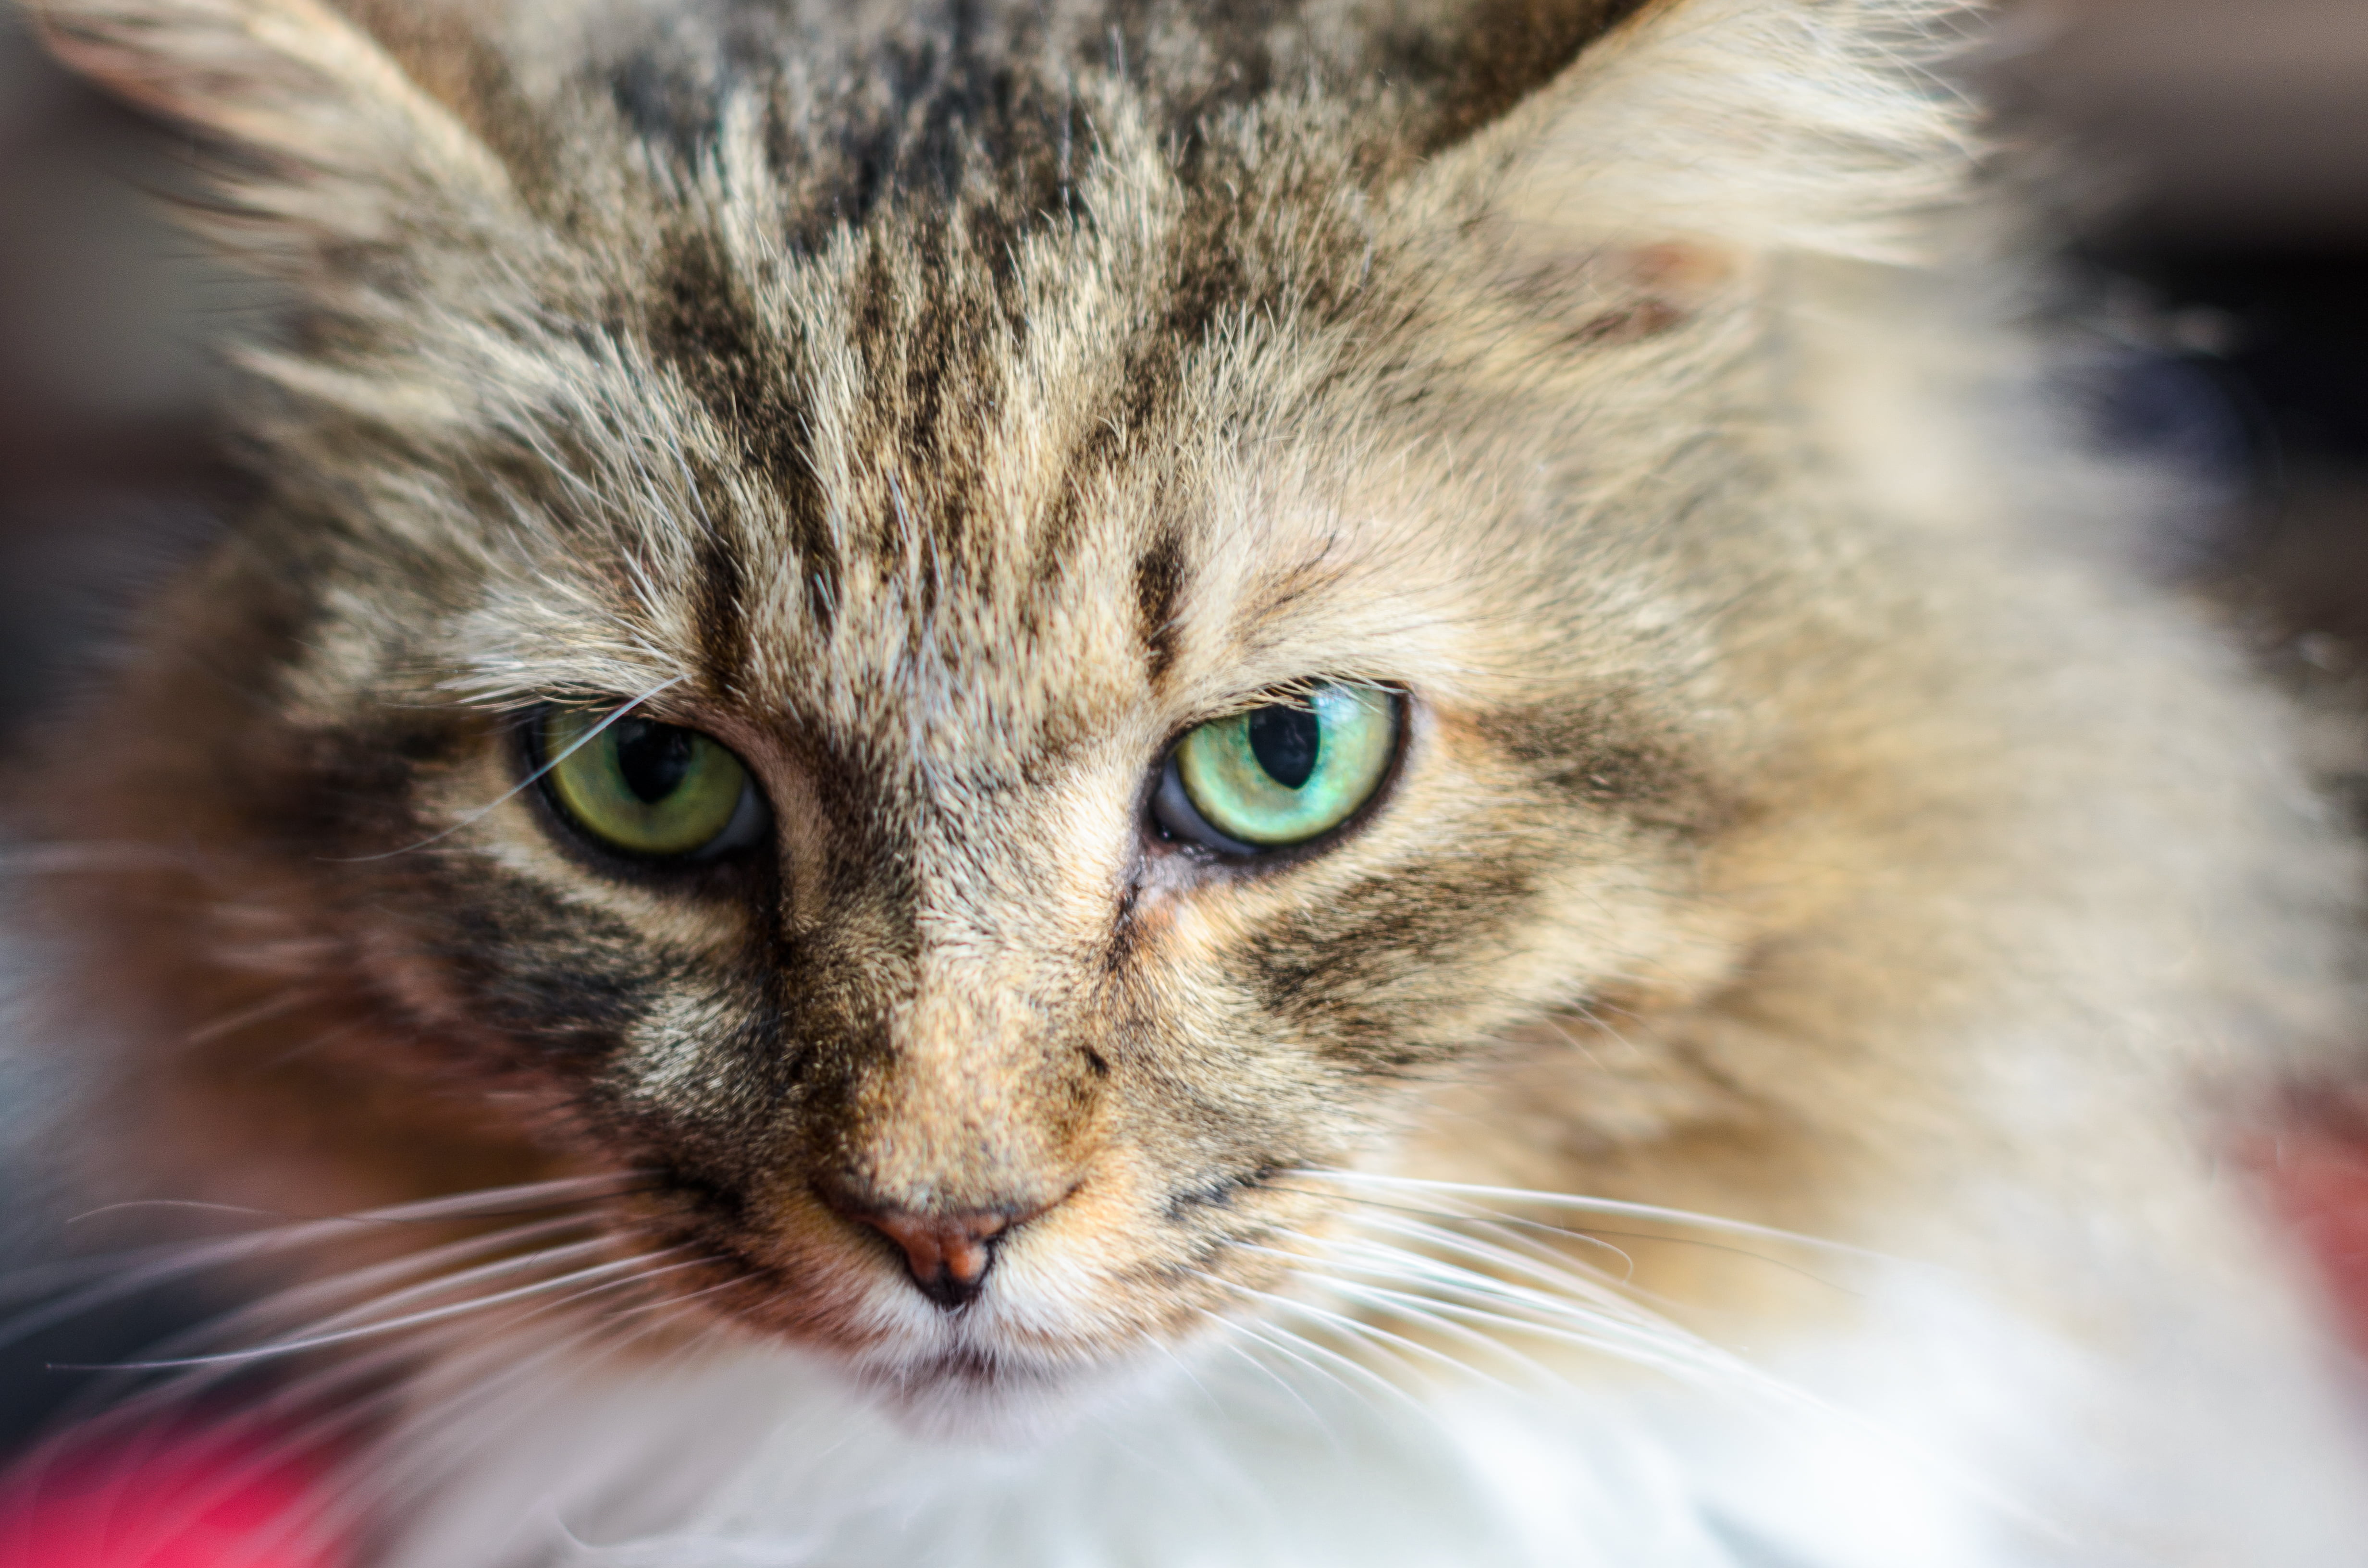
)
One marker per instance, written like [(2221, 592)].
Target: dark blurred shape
[(2210, 158), (108, 457), (2299, 354), (2213, 156), (2223, 124)]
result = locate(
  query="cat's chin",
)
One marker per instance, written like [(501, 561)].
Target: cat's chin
[(964, 1396)]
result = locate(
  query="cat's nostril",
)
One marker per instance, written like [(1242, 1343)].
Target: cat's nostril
[(948, 1255)]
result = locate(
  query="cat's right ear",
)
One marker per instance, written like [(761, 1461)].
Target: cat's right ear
[(326, 152), (1699, 138)]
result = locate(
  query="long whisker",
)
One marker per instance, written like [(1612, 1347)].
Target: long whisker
[(316, 1390), (273, 1006), (1409, 1308), (433, 1314), (1578, 1203), (1346, 1325), (288, 1304), (1630, 1331), (127, 1272), (480, 1203), (1285, 1384), (1449, 1290), (1417, 1308), (1276, 1337), (1664, 1353), (106, 1401), (1557, 1289), (1539, 1264), (1549, 1242), (1540, 1238), (1542, 1292)]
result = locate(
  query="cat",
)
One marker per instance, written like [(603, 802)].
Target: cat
[(1110, 782)]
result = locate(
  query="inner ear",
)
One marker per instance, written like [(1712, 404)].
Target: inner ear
[(1612, 293)]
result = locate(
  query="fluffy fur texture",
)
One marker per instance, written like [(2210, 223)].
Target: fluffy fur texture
[(1798, 826)]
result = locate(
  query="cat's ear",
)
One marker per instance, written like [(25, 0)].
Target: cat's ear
[(1702, 134), (326, 149)]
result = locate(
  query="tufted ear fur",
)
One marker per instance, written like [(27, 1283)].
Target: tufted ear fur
[(1698, 139), (375, 171), (327, 163), (336, 141)]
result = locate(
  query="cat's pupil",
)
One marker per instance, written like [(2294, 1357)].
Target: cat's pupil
[(1285, 740), (654, 759)]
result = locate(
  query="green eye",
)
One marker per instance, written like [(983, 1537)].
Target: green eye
[(1281, 774), (647, 788)]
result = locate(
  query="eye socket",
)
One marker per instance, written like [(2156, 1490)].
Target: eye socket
[(647, 789), (1281, 774)]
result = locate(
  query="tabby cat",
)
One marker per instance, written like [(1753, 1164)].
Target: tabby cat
[(1114, 782)]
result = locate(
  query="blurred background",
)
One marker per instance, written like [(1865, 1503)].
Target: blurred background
[(2207, 161)]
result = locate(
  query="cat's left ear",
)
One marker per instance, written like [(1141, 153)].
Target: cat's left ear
[(327, 150), (1701, 135)]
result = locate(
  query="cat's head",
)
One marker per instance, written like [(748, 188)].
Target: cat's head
[(971, 652)]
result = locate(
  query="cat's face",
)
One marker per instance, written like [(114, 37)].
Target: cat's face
[(968, 755)]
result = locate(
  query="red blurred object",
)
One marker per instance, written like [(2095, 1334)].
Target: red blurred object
[(183, 1499), (2316, 1169)]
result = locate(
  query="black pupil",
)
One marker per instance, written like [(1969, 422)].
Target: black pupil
[(653, 759), (1285, 741)]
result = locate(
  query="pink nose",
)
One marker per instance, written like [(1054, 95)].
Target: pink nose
[(949, 1255)]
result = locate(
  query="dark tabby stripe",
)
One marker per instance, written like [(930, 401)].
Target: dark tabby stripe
[(1158, 590), (703, 326)]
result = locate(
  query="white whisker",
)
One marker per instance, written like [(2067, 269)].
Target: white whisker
[(1630, 1331), (1664, 1353), (241, 1018), (1542, 1265), (1410, 1308), (491, 1202), (133, 1270), (1569, 1293), (1580, 1204), (1276, 1337), (1278, 1381), (433, 1314), (288, 1304), (1347, 1325), (1539, 1238)]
